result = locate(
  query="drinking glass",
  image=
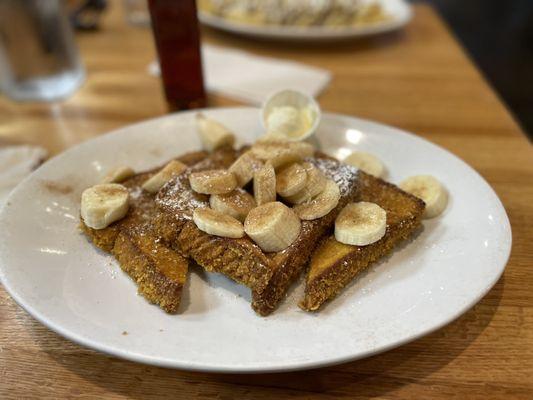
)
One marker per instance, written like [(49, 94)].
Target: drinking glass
[(38, 57)]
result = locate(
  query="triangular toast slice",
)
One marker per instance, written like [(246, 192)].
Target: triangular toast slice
[(176, 201), (268, 274), (159, 271), (334, 265)]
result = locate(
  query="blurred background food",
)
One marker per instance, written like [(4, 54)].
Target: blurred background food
[(297, 12), (498, 35)]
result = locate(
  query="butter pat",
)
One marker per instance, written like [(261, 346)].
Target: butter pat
[(290, 114), (290, 121)]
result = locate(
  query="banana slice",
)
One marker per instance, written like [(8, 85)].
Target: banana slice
[(430, 190), (169, 171), (314, 185), (291, 179), (265, 184), (321, 204), (236, 204), (244, 167), (273, 137), (213, 134), (118, 174), (361, 224), (273, 226), (103, 204), (305, 149), (366, 162), (215, 181), (282, 153), (217, 223)]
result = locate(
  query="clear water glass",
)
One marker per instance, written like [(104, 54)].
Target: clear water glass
[(38, 56)]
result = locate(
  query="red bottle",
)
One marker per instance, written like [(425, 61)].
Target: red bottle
[(177, 38)]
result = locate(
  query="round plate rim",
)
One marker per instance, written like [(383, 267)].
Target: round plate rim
[(223, 368)]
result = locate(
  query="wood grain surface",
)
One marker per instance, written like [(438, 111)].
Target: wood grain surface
[(419, 80)]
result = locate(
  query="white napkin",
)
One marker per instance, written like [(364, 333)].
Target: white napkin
[(16, 162), (249, 78)]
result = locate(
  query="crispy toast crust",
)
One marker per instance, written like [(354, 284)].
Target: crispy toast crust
[(240, 259), (334, 264), (290, 263), (267, 274), (159, 271), (157, 235), (141, 202), (105, 238), (176, 200)]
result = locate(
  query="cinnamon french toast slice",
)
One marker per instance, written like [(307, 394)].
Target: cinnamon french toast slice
[(334, 265), (267, 274), (176, 201), (141, 202), (159, 271)]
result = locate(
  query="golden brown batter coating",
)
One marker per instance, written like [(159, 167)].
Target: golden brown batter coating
[(154, 240), (334, 264), (176, 201), (269, 275), (240, 259), (159, 272)]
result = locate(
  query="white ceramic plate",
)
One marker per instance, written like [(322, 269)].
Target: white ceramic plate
[(399, 11), (52, 271)]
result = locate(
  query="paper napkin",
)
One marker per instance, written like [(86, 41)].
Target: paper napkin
[(246, 77)]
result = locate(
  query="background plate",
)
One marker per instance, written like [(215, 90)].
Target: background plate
[(399, 11), (52, 271)]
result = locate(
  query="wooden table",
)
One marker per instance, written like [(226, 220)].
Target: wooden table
[(419, 80)]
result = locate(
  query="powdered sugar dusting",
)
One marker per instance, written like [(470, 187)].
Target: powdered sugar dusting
[(136, 192), (346, 178), (344, 175), (177, 197)]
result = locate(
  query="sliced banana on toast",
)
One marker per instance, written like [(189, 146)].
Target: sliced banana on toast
[(244, 167), (282, 153), (430, 190), (361, 224), (215, 181), (272, 226), (118, 174), (291, 179), (103, 204), (366, 162), (320, 205), (169, 171), (265, 184), (213, 134), (236, 204), (314, 185), (273, 137), (218, 224)]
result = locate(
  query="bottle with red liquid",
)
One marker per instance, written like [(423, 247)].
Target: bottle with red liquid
[(177, 38)]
